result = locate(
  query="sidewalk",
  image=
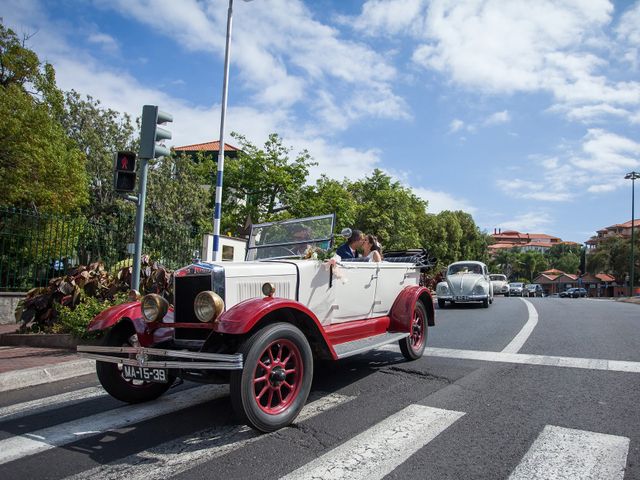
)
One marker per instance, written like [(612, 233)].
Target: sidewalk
[(22, 367)]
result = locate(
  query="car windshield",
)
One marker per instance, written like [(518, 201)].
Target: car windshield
[(290, 238), (464, 268), (500, 278), (516, 285)]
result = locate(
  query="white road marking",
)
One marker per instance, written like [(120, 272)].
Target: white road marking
[(182, 454), (41, 405), (29, 377), (15, 448), (377, 451), (569, 362), (518, 341), (561, 453)]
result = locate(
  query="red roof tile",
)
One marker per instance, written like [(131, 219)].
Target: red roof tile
[(206, 147), (604, 277)]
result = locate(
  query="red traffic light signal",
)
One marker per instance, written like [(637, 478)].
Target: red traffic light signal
[(124, 174)]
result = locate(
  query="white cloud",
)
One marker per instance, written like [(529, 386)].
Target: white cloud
[(456, 125), (607, 152), (530, 222), (440, 201), (388, 16), (629, 34), (498, 118), (554, 46), (598, 167), (107, 42)]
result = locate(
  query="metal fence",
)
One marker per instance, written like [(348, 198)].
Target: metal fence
[(37, 247)]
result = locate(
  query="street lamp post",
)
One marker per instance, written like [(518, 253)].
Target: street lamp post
[(633, 176), (217, 210)]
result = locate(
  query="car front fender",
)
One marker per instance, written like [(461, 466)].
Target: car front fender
[(132, 312)]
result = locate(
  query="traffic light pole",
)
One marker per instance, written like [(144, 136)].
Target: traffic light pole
[(142, 195)]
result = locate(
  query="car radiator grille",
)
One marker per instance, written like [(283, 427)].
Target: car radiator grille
[(185, 291)]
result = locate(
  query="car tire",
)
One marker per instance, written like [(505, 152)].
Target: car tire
[(485, 303), (273, 386), (110, 374), (441, 303), (412, 347)]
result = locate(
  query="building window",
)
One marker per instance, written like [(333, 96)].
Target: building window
[(227, 253)]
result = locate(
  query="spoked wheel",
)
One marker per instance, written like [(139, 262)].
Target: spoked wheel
[(271, 389), (412, 347), (111, 375)]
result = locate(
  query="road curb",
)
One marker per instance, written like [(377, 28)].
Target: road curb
[(29, 377)]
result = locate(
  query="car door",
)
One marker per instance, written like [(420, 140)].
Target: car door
[(354, 291)]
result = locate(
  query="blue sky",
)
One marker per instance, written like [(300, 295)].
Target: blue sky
[(525, 114)]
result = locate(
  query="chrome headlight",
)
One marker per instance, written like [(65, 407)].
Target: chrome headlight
[(442, 288), (478, 290), (154, 307), (208, 306)]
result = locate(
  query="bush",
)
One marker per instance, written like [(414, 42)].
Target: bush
[(75, 320), (69, 303)]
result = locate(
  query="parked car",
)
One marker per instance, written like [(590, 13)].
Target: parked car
[(516, 289), (261, 325), (465, 282), (574, 293), (578, 292), (500, 284), (533, 290)]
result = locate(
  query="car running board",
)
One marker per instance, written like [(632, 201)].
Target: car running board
[(348, 349)]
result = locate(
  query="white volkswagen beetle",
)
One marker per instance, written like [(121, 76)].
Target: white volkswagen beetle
[(500, 284), (467, 281)]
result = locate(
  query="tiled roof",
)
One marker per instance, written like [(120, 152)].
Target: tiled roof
[(604, 277), (213, 146)]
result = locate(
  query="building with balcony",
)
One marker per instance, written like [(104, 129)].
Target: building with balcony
[(621, 230), (526, 242)]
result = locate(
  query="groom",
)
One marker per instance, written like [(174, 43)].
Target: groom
[(349, 249)]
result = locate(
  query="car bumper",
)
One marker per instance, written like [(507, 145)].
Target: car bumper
[(138, 357), (463, 298)]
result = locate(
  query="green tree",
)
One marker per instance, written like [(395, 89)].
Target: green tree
[(176, 195), (262, 183), (99, 132), (40, 166), (532, 264), (388, 210), (327, 196), (568, 263)]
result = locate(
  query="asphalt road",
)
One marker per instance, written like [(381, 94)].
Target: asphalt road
[(561, 402)]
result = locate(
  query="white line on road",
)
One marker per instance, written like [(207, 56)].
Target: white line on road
[(41, 405), (569, 362), (29, 377), (377, 451), (182, 454), (31, 443), (518, 341), (566, 453)]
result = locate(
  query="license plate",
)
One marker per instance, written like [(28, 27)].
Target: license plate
[(155, 375), (461, 298)]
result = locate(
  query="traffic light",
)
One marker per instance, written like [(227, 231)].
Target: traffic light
[(151, 132), (124, 172)]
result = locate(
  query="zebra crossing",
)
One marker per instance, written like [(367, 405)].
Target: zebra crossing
[(557, 451)]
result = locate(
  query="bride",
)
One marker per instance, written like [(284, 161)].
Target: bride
[(372, 249)]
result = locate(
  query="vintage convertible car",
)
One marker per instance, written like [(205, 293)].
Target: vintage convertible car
[(500, 284), (261, 325), (466, 281)]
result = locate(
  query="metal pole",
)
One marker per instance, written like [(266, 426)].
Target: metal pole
[(223, 112), (142, 195), (633, 181)]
